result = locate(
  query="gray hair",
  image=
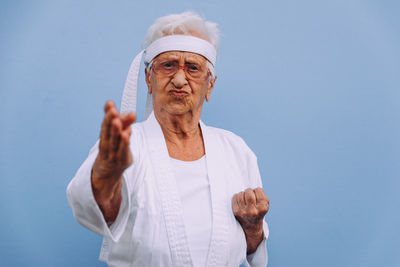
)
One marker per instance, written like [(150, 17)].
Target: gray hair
[(186, 23)]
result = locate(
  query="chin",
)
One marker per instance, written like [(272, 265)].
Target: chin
[(178, 109), (178, 106), (178, 112)]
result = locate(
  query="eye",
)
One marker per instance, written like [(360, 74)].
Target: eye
[(168, 64), (193, 67)]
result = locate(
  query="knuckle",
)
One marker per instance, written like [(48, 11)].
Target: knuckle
[(249, 192), (236, 212), (115, 121), (264, 208), (262, 193), (253, 213), (260, 190)]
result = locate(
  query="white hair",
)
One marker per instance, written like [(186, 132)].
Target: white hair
[(186, 23)]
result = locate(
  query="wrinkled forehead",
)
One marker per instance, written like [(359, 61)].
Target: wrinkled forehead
[(181, 56)]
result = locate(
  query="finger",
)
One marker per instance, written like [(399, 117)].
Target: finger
[(128, 119), (235, 205), (125, 134), (103, 147), (104, 125), (262, 201), (260, 195), (241, 200), (111, 114), (105, 129), (249, 196), (109, 104), (115, 137), (123, 148)]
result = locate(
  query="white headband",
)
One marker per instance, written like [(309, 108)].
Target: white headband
[(185, 43)]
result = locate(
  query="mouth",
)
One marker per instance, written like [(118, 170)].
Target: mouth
[(178, 93)]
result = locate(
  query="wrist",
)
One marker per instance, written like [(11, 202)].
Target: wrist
[(253, 241), (253, 228), (254, 233), (104, 187), (103, 170), (254, 236)]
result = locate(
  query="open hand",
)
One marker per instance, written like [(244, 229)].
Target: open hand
[(114, 152), (113, 158)]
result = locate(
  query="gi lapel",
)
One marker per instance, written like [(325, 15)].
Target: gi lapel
[(219, 247), (171, 202)]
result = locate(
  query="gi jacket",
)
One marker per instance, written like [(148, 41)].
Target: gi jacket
[(149, 229)]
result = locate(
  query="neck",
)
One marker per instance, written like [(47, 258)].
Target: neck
[(181, 127), (182, 134)]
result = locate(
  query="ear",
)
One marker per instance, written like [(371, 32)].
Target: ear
[(210, 87), (147, 73)]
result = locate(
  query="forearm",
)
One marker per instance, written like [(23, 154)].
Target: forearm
[(107, 192), (253, 239)]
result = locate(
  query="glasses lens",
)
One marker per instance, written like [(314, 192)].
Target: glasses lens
[(166, 67), (169, 68), (194, 70)]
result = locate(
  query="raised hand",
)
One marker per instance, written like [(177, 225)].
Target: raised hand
[(112, 160), (114, 153), (249, 208)]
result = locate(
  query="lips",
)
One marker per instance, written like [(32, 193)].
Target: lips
[(178, 93)]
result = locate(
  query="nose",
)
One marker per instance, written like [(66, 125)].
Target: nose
[(179, 79)]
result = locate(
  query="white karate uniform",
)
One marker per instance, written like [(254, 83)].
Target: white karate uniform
[(194, 190), (149, 229)]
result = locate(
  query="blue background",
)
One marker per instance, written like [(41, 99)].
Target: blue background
[(312, 86)]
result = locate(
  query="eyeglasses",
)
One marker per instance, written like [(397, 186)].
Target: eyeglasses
[(169, 68)]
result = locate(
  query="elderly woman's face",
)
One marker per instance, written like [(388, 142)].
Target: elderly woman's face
[(179, 82)]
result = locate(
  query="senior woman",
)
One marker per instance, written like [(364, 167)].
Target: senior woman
[(171, 191)]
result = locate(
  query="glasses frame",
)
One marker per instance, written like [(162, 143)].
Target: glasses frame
[(183, 67)]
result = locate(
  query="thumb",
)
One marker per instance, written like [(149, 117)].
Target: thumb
[(127, 119)]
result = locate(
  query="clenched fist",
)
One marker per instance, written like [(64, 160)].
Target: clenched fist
[(249, 208), (113, 158)]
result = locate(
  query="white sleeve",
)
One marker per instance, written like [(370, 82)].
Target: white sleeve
[(84, 206), (260, 256)]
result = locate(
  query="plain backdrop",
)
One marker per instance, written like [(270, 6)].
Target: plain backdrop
[(312, 86)]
